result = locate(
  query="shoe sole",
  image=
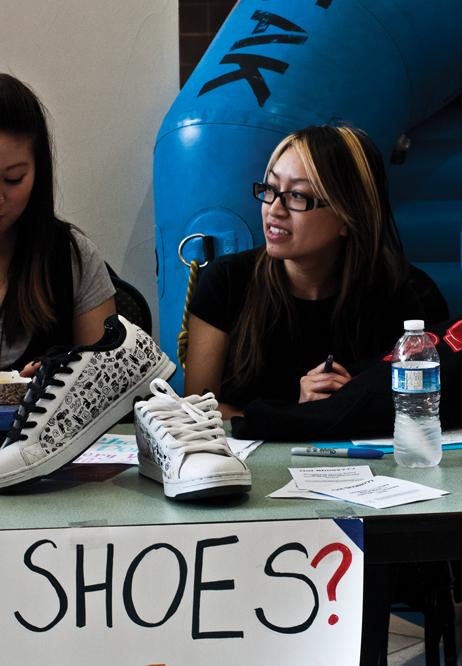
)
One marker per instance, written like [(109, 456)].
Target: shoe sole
[(93, 431), (211, 486)]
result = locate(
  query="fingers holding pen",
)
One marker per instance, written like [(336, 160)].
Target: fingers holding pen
[(335, 369), (318, 385)]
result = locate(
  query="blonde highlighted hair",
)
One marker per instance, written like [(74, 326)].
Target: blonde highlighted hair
[(346, 170)]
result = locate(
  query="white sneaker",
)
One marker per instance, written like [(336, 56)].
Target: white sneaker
[(182, 444), (76, 396)]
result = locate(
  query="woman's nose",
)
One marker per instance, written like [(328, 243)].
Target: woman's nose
[(276, 208), (2, 197)]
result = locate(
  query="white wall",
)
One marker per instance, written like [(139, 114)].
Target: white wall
[(107, 70)]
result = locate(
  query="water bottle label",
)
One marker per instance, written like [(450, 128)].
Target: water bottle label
[(418, 378)]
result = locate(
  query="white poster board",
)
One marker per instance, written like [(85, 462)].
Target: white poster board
[(257, 593)]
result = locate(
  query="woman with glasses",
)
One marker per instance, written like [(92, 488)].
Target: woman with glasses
[(331, 279), (54, 286)]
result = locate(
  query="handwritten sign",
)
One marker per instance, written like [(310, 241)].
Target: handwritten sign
[(269, 593)]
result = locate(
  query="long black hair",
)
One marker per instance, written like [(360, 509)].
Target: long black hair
[(346, 170), (28, 304)]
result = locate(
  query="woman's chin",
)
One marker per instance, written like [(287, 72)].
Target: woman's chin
[(276, 250)]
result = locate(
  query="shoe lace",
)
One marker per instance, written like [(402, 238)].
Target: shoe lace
[(55, 361), (194, 423)]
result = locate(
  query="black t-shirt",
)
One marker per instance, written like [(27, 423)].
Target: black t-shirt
[(290, 353)]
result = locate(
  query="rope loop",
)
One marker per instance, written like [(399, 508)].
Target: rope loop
[(180, 250), (183, 334)]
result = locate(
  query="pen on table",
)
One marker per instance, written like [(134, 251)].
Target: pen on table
[(356, 452), (328, 364)]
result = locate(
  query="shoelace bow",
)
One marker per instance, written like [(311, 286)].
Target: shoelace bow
[(56, 361), (194, 423)]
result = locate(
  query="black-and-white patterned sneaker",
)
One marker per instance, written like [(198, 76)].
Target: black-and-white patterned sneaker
[(182, 444), (76, 395)]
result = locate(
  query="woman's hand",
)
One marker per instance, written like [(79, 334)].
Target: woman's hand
[(317, 384), (30, 369)]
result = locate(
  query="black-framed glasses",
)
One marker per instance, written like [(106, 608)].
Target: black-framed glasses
[(292, 200)]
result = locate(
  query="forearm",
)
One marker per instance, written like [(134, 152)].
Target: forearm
[(228, 411)]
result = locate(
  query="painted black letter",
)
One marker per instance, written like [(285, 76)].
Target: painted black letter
[(249, 65), (81, 589), (212, 585), (269, 571), (62, 597), (128, 582), (265, 19)]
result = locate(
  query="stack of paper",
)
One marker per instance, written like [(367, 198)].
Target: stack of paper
[(354, 484)]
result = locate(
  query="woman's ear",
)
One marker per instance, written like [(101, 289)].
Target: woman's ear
[(343, 231)]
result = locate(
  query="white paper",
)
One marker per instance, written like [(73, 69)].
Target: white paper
[(381, 492), (122, 449), (308, 478), (242, 448), (109, 448), (290, 491), (448, 437)]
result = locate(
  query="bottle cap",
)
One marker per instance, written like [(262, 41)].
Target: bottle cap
[(414, 325)]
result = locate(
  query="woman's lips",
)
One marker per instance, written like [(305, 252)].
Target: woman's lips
[(276, 233)]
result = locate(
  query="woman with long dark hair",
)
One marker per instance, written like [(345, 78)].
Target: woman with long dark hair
[(54, 287), (332, 279)]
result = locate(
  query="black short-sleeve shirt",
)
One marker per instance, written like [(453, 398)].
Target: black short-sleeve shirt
[(291, 353)]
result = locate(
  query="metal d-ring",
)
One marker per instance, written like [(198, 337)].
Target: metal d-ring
[(181, 246)]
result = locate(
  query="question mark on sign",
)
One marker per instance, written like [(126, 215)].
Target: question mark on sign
[(338, 573)]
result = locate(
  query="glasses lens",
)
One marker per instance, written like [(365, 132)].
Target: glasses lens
[(292, 200), (298, 201), (263, 192)]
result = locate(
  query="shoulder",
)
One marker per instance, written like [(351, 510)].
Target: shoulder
[(434, 306), (237, 260), (221, 288), (84, 245), (244, 258), (237, 266), (66, 235), (419, 297), (92, 283)]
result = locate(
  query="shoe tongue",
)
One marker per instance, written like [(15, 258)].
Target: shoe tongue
[(57, 357), (54, 359), (54, 352), (114, 335), (160, 388)]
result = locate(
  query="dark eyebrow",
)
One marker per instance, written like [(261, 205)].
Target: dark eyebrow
[(19, 164), (292, 180)]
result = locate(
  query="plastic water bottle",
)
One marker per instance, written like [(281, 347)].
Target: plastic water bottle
[(416, 394)]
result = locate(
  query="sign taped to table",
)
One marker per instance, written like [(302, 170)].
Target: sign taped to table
[(253, 593)]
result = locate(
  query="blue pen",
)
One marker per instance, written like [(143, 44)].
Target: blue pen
[(356, 452)]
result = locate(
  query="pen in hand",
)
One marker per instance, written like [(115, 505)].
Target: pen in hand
[(328, 364)]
